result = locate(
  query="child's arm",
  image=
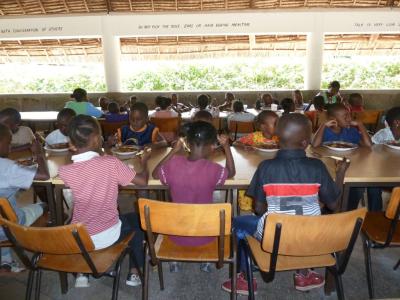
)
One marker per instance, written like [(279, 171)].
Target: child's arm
[(260, 207), (177, 148), (21, 148), (319, 135), (142, 178), (160, 142), (42, 172), (365, 138), (230, 164)]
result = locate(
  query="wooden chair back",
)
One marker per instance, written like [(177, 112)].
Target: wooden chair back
[(393, 206), (241, 127), (185, 219), (7, 211), (50, 240), (167, 124), (110, 128), (370, 118), (216, 123), (311, 235)]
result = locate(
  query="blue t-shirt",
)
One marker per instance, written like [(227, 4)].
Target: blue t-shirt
[(350, 135)]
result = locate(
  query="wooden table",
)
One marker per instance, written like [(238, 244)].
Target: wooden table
[(34, 117)]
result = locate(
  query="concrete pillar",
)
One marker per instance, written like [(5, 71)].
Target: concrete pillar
[(111, 54), (314, 57)]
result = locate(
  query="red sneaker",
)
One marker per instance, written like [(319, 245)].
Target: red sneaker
[(241, 285), (309, 281)]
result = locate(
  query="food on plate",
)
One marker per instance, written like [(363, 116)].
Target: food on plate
[(394, 143), (59, 146), (342, 145), (26, 162), (268, 146), (125, 149)]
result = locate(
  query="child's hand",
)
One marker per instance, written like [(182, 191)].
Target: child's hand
[(342, 165), (39, 138), (223, 139), (179, 145), (331, 123), (146, 153), (36, 148), (112, 140)]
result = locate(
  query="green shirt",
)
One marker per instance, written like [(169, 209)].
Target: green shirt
[(84, 108)]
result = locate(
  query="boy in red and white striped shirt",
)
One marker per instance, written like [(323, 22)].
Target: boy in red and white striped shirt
[(94, 180)]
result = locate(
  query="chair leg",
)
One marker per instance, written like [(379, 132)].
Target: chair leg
[(368, 268), (38, 283), (116, 281), (339, 285), (29, 286), (160, 275), (397, 265), (145, 290), (233, 280), (249, 271), (63, 282)]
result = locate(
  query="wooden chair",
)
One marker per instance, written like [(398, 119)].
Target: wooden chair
[(110, 128), (67, 249), (162, 218), (302, 242), (241, 127), (370, 118), (380, 230), (169, 127), (217, 123)]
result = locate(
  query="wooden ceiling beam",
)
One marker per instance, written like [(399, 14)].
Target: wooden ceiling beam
[(130, 5), (66, 6), (109, 8), (86, 6), (21, 7), (41, 6), (390, 3)]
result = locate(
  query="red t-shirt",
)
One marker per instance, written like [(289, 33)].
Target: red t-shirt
[(94, 184)]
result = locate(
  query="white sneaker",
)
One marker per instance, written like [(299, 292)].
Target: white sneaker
[(82, 281), (13, 267), (133, 280)]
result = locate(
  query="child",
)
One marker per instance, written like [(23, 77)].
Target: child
[(193, 178), (60, 135), (114, 115), (290, 173), (164, 110), (126, 107), (318, 115), (266, 101), (340, 127), (94, 181), (298, 99), (356, 102), (332, 95), (203, 115), (22, 136), (177, 106), (140, 132), (288, 106), (203, 102), (227, 105), (266, 122), (103, 103), (239, 115), (13, 178), (81, 105), (392, 131)]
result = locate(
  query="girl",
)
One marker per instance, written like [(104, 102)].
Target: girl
[(193, 178), (94, 180)]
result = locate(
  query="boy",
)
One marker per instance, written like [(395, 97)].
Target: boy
[(318, 115), (340, 127), (290, 173), (22, 136), (266, 122), (356, 102), (81, 105), (60, 135), (203, 102), (288, 106), (239, 115), (164, 111), (14, 177), (114, 115), (140, 132), (178, 106), (227, 105)]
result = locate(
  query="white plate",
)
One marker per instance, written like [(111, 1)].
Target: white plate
[(130, 153), (47, 148), (266, 150), (393, 146), (351, 146)]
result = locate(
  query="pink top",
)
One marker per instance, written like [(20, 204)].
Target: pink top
[(94, 184), (192, 182)]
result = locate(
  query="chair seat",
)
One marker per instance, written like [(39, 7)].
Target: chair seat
[(75, 263), (285, 262), (376, 226), (167, 249)]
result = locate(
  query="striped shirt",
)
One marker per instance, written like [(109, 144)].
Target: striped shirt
[(292, 184), (94, 182)]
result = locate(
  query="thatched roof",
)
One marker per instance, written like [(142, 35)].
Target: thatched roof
[(60, 51), (46, 7)]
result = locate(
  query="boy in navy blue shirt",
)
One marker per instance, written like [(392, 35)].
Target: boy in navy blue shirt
[(291, 183)]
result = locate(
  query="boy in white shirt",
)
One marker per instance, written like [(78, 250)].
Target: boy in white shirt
[(22, 136), (60, 135)]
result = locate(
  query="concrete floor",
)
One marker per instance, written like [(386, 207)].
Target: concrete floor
[(191, 283)]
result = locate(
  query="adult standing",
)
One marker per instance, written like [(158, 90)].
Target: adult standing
[(81, 105), (332, 95)]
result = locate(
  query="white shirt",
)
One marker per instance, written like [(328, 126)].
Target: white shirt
[(382, 136), (109, 236), (56, 137), (212, 110), (241, 117), (23, 136)]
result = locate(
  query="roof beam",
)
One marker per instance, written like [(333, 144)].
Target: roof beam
[(130, 5), (86, 6), (390, 3), (41, 6), (21, 7), (66, 6), (108, 3)]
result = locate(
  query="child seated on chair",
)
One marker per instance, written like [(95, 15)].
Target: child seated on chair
[(22, 136), (391, 133), (94, 180), (164, 110), (318, 113), (291, 172), (60, 135), (140, 132), (13, 178), (288, 106), (239, 115), (266, 123), (356, 102), (114, 114), (192, 177), (203, 103)]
